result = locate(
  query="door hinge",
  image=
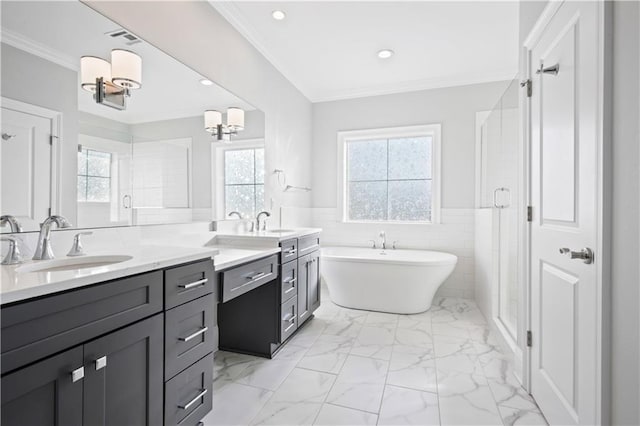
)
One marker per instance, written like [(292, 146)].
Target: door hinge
[(49, 212), (529, 214), (529, 338), (51, 139), (529, 85)]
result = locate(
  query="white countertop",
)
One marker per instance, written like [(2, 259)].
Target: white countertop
[(15, 286), (274, 236), (233, 256)]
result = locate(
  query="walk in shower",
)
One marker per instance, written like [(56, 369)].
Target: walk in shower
[(498, 202)]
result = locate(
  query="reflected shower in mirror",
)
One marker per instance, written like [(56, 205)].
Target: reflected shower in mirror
[(124, 155)]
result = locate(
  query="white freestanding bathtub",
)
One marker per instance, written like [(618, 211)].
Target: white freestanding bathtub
[(397, 281)]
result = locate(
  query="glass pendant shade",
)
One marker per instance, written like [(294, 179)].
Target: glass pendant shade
[(212, 119), (91, 68), (126, 69), (235, 118)]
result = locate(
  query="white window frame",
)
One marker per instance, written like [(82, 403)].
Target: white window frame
[(344, 137), (218, 180)]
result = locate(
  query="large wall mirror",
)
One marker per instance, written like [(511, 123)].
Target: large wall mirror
[(145, 160)]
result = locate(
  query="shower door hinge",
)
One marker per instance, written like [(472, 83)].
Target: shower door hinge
[(528, 84), (529, 338), (529, 214)]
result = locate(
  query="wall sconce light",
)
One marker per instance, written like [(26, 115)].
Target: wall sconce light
[(213, 123), (111, 83)]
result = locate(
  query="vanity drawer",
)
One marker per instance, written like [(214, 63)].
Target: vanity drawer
[(288, 319), (289, 250), (289, 281), (188, 396), (188, 282), (238, 281), (308, 244), (188, 334), (35, 329)]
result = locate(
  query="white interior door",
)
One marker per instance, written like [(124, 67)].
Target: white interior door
[(565, 197), (26, 166)]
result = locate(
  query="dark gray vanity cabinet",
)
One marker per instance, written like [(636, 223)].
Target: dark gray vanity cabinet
[(108, 353), (309, 285)]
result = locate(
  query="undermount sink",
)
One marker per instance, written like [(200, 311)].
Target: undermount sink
[(73, 263)]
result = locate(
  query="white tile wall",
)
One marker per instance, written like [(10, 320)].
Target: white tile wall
[(454, 235)]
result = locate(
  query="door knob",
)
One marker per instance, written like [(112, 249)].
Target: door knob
[(586, 254)]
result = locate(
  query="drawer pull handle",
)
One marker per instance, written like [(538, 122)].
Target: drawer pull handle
[(194, 284), (77, 374), (257, 276), (289, 318), (290, 327), (101, 363), (292, 251), (202, 393), (289, 290), (194, 335), (290, 281)]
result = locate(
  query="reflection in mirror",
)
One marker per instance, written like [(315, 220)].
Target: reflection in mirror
[(151, 162)]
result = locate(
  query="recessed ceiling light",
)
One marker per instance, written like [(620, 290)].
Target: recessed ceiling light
[(385, 53), (206, 82), (278, 15)]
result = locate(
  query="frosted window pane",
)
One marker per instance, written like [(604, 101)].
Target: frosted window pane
[(82, 162), (239, 166), (410, 158), (259, 165), (82, 188), (99, 163), (259, 197), (240, 198), (367, 160), (368, 200), (98, 189), (410, 200)]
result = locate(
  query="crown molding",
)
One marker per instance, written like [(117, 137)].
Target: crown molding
[(415, 86), (23, 43)]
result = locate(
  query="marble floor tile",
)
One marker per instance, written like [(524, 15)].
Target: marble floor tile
[(416, 321), (360, 384), (335, 415), (454, 329), (413, 368), (413, 337), (236, 404), (298, 400), (266, 373), (401, 406), (510, 393), (381, 319), (515, 416), (456, 354), (351, 315), (375, 342), (343, 328), (228, 366), (466, 399), (330, 362)]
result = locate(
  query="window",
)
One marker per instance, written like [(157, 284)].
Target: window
[(94, 176), (390, 175), (244, 181)]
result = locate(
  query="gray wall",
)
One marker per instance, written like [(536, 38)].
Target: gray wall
[(212, 47), (28, 78), (454, 107), (625, 249)]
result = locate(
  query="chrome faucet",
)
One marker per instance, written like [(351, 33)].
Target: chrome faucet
[(12, 221), (13, 256), (234, 213), (264, 223), (383, 240), (43, 249)]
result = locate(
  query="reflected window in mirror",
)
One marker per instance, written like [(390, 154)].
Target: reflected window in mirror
[(94, 176), (244, 181)]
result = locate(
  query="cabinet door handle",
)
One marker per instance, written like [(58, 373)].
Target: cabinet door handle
[(290, 281), (194, 284), (101, 362), (77, 374), (186, 406), (257, 276), (194, 335)]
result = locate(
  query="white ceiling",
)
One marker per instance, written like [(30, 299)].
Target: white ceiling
[(63, 31), (328, 49)]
